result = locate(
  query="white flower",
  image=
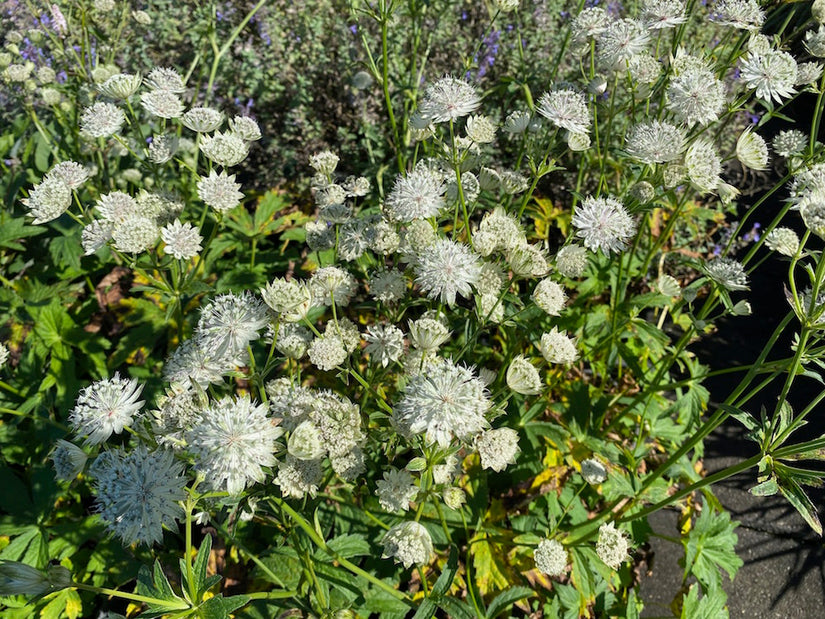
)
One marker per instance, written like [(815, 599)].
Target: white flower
[(428, 334), (161, 78), (121, 85), (330, 285), (139, 492), (246, 128), (567, 109), (418, 195), (603, 223), (287, 297), (68, 459), (443, 402), (101, 120), (571, 261), (230, 322), (480, 129), (523, 377), (225, 149), (232, 443), (192, 362), (593, 471), (728, 273), (327, 352), (297, 478), (446, 269), (182, 240), (396, 490), (790, 142), (751, 150), (556, 347), (448, 99), (743, 14), (4, 354), (162, 148), (95, 235), (106, 407), (783, 241), (388, 286), (612, 546), (220, 191), (385, 343), (305, 442), (703, 164), (71, 173), (696, 96), (772, 74), (408, 543), (162, 103), (324, 162), (48, 200), (660, 14), (551, 557), (655, 142), (621, 40), (202, 119), (549, 296), (497, 448)]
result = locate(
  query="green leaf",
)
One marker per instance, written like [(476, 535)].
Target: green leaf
[(445, 579), (14, 229), (456, 608), (796, 496), (426, 610), (199, 567), (710, 606), (349, 545), (710, 546), (504, 600), (766, 488)]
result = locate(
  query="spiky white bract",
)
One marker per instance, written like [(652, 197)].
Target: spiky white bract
[(448, 99), (428, 334), (101, 120), (106, 407), (121, 85), (305, 442), (742, 14), (163, 78), (603, 224), (790, 142), (751, 150), (245, 128), (324, 162), (327, 352), (445, 402), (480, 129), (225, 149), (138, 493), (612, 545), (385, 343), (48, 200), (220, 191), (728, 273), (418, 195), (229, 322), (565, 108), (497, 448), (192, 361), (772, 74), (703, 164), (232, 442), (330, 285), (396, 490), (202, 119), (297, 478), (408, 543), (445, 269), (571, 261), (696, 96), (71, 173), (95, 235), (557, 347), (162, 103), (4, 354), (388, 286), (522, 377), (655, 142), (182, 240), (589, 23), (290, 299), (662, 14), (549, 296), (551, 557), (620, 42)]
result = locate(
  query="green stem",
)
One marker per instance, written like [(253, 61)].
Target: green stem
[(170, 604)]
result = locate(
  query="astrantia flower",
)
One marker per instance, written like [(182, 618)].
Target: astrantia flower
[(523, 378), (751, 150), (772, 74), (297, 478), (226, 149), (571, 260), (517, 122), (668, 286), (162, 103), (230, 322), (480, 129), (808, 73), (95, 235), (703, 164), (815, 42), (101, 120), (135, 234), (728, 273), (305, 442), (743, 14), (428, 334), (388, 286), (182, 240), (549, 296), (326, 353), (71, 173), (612, 546), (565, 108), (162, 148), (324, 162), (419, 195), (790, 142), (385, 343), (396, 490), (655, 142), (556, 347), (813, 214), (246, 128), (660, 14), (232, 443), (162, 78), (497, 231), (116, 206), (220, 191), (408, 543), (444, 402), (286, 297), (783, 241), (121, 85), (593, 471), (497, 448), (4, 354), (68, 459), (202, 119), (696, 96), (48, 200), (193, 362), (330, 285), (139, 492), (446, 269), (106, 407), (589, 23), (293, 340), (603, 223), (620, 41), (448, 99), (551, 557)]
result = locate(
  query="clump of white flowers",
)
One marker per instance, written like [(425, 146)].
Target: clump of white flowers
[(612, 545), (408, 543), (497, 448), (551, 557)]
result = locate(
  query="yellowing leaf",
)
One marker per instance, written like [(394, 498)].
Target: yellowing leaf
[(73, 605), (489, 565)]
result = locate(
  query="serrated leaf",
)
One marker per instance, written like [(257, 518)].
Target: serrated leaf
[(199, 567), (13, 229), (426, 609), (766, 488), (504, 600), (711, 546), (349, 545), (709, 606), (445, 579), (796, 496), (456, 608)]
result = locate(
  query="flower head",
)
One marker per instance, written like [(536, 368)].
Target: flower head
[(48, 200), (220, 191), (612, 545), (696, 96), (101, 120), (230, 322), (655, 142), (162, 103), (497, 448), (182, 240), (771, 74), (408, 543), (565, 108), (557, 347), (225, 149), (396, 490), (551, 557), (106, 407), (448, 99), (603, 223), (418, 195), (446, 269), (728, 273), (522, 377)]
